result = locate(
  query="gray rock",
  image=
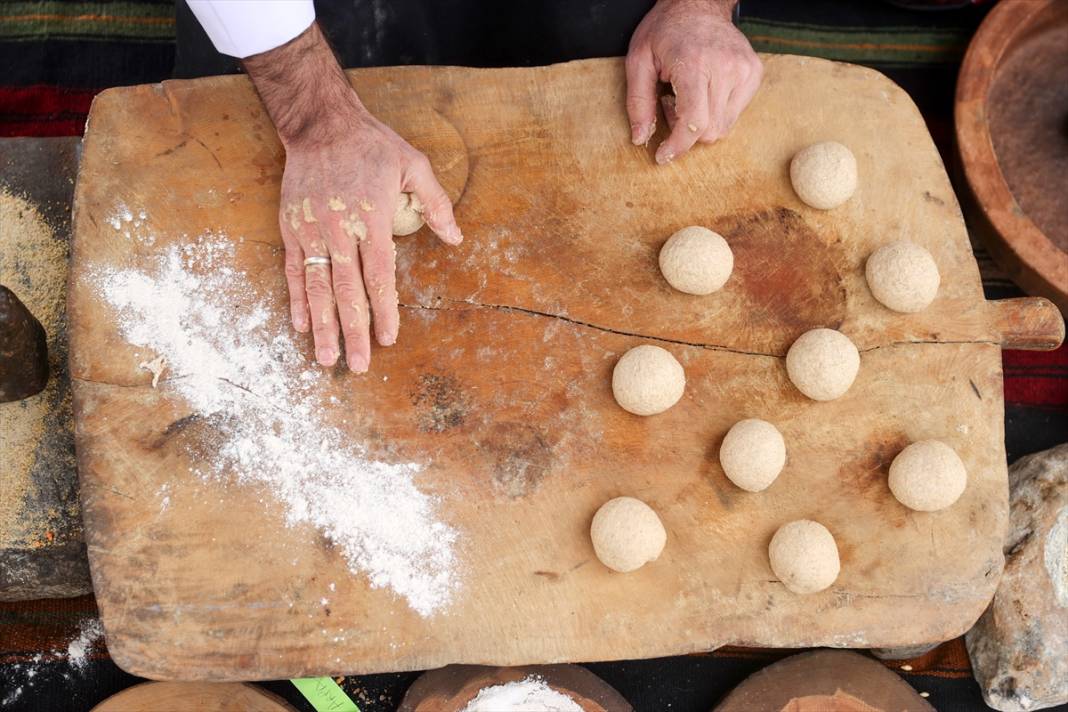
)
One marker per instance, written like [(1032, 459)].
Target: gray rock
[(1019, 647)]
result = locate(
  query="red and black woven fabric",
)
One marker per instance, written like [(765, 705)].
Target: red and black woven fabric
[(57, 54)]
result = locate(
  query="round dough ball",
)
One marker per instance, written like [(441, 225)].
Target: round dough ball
[(822, 363), (696, 260), (409, 215), (752, 454), (927, 476), (824, 174), (627, 534), (903, 276), (647, 380), (804, 556)]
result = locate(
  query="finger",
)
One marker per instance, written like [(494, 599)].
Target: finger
[(691, 108), (378, 261), (349, 292), (641, 95), (294, 269), (743, 94), (318, 287), (437, 208), (719, 92)]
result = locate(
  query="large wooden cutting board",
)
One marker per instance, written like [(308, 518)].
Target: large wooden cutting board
[(515, 334)]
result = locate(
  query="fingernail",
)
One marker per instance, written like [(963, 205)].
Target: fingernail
[(641, 133), (357, 363), (326, 356), (300, 319), (455, 236), (663, 157), (388, 339)]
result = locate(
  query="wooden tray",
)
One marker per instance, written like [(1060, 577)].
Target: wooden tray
[(519, 329)]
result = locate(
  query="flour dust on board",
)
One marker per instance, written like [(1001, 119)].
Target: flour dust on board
[(197, 318)]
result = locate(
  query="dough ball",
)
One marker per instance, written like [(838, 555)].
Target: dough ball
[(927, 476), (804, 556), (647, 380), (823, 363), (409, 215), (696, 260), (824, 174), (627, 534), (752, 454), (903, 276)]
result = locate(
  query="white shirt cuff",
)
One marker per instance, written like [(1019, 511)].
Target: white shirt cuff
[(242, 28)]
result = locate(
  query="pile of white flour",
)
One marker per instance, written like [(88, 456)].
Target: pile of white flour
[(238, 367), (530, 694)]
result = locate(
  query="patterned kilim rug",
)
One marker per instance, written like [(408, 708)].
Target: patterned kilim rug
[(58, 54)]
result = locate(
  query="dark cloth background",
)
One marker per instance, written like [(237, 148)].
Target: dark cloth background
[(57, 54)]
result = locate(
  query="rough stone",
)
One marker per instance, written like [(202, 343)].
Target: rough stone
[(42, 546), (23, 350), (1019, 647)]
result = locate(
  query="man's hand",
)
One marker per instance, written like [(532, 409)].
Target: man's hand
[(344, 174), (710, 65)]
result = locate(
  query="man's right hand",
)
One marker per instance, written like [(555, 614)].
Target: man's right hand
[(344, 174)]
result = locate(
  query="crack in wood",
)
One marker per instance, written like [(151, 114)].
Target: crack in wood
[(586, 324), (664, 339), (922, 342)]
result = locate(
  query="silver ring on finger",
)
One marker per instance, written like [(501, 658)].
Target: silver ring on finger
[(314, 261)]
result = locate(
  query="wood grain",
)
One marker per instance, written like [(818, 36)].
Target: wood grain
[(500, 383)]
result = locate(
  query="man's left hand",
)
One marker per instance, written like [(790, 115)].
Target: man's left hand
[(693, 45)]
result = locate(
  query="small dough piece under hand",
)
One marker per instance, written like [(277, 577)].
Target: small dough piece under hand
[(696, 260), (804, 556), (903, 276), (823, 364), (647, 380), (753, 454), (824, 174), (627, 534), (927, 476), (409, 215)]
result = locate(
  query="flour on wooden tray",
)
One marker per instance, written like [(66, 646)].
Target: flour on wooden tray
[(531, 694), (239, 369)]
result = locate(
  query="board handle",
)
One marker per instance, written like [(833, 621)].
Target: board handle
[(1027, 323)]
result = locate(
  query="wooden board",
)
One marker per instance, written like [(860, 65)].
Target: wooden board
[(516, 332)]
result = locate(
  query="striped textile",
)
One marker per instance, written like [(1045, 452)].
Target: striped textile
[(58, 54)]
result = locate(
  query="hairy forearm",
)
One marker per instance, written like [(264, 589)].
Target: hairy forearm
[(304, 90), (724, 8)]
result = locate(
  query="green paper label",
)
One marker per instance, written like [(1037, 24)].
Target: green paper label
[(325, 695)]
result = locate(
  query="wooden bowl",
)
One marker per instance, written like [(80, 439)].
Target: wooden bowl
[(451, 688), (194, 697), (1011, 103), (824, 680)]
